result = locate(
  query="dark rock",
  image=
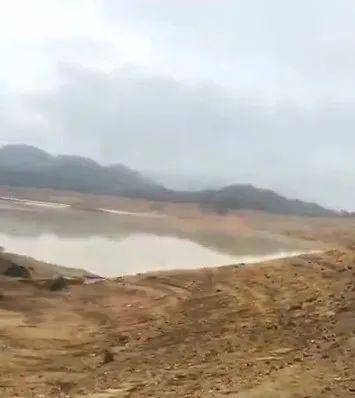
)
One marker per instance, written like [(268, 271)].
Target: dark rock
[(17, 271), (57, 284), (122, 339), (108, 357)]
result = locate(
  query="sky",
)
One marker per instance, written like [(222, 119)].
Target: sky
[(195, 93)]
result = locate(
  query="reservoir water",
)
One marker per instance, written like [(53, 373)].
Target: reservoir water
[(124, 243)]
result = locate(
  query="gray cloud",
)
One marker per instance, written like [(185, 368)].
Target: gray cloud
[(212, 92), (162, 125), (303, 49)]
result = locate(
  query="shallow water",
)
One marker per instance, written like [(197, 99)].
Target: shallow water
[(120, 244)]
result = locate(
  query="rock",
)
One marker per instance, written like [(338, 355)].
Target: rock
[(329, 314), (294, 307), (122, 339), (17, 271), (57, 284), (283, 350), (108, 357)]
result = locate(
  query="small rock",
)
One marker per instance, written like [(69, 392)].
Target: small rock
[(329, 314), (17, 271), (122, 339), (57, 284), (108, 357)]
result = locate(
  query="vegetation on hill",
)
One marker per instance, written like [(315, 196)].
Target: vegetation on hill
[(22, 165), (27, 166)]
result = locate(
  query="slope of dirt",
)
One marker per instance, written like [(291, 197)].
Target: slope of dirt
[(280, 329), (38, 269)]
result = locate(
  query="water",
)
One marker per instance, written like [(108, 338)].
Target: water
[(118, 244)]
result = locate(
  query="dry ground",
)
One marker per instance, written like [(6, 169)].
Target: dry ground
[(281, 329)]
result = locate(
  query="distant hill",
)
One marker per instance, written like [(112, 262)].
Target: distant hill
[(27, 166), (235, 197)]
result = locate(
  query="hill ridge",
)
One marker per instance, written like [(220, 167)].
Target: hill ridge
[(29, 166)]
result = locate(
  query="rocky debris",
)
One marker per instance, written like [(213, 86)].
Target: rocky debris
[(17, 271), (58, 284)]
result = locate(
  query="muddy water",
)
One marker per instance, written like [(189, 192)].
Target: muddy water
[(119, 244)]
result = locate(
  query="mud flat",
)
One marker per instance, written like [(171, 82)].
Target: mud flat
[(35, 203)]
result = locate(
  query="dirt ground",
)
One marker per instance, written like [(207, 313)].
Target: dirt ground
[(280, 329)]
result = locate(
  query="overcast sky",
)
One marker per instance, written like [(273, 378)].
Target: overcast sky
[(195, 92)]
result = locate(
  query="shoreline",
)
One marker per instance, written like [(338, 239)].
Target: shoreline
[(195, 231), (57, 205), (42, 269)]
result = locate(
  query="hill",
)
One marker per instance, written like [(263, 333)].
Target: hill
[(249, 197), (27, 166), (22, 165)]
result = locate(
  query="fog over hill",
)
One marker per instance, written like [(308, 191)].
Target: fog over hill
[(22, 165), (28, 166)]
